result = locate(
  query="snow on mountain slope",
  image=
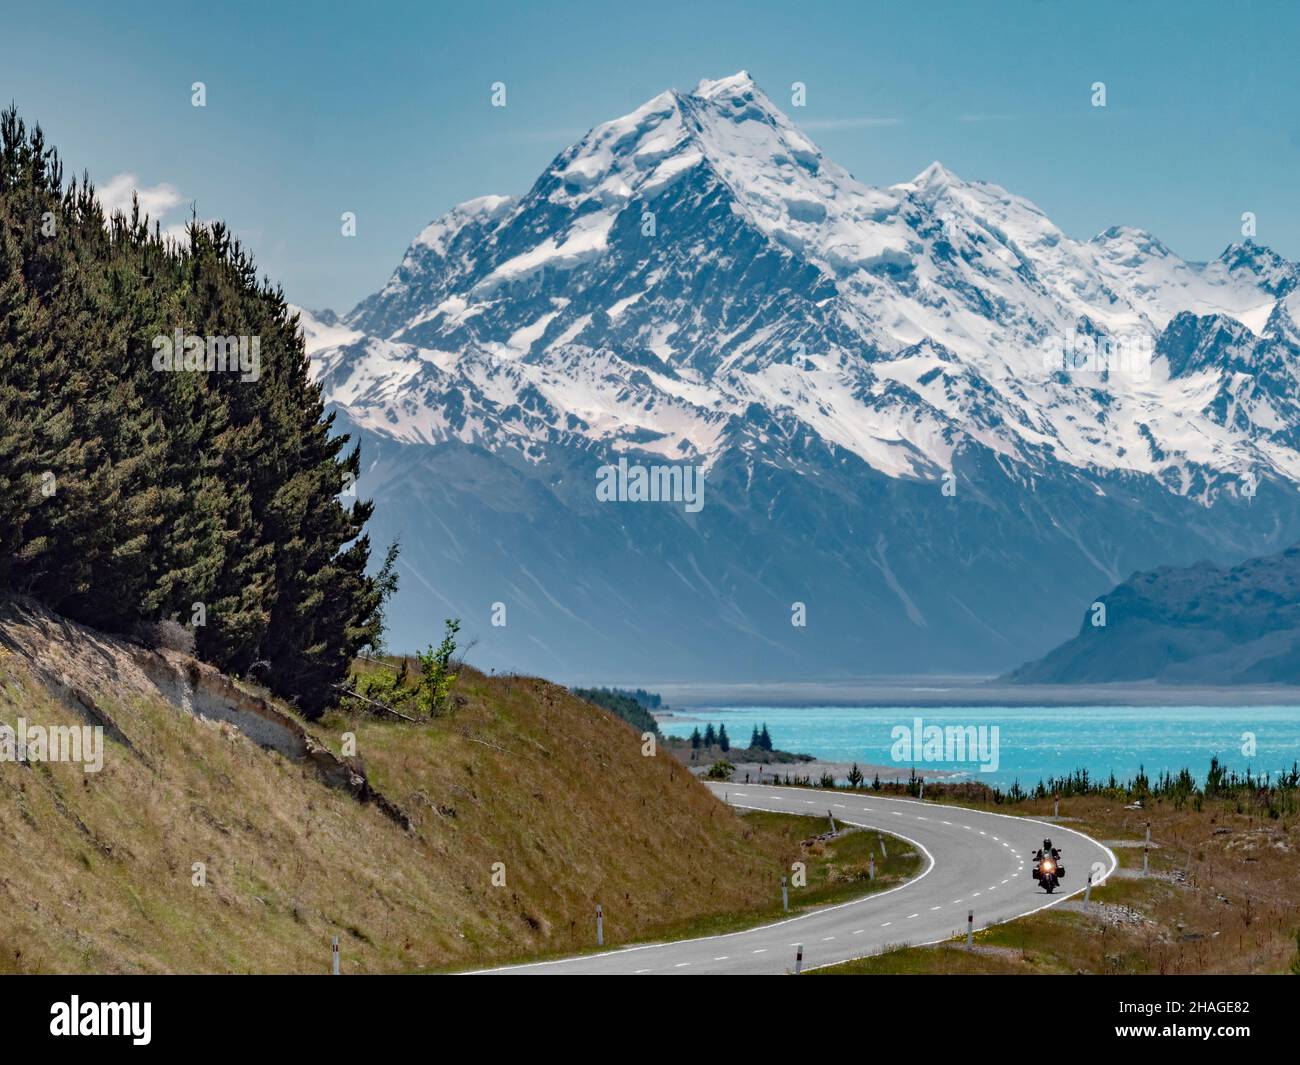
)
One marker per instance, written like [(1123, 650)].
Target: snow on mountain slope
[(701, 255), (696, 283)]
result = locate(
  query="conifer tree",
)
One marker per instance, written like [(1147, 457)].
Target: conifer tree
[(131, 494)]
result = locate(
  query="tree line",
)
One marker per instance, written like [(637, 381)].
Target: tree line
[(632, 707), (710, 738), (140, 483)]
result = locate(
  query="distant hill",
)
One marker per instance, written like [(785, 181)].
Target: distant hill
[(1199, 624)]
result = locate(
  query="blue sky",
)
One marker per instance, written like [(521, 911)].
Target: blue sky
[(383, 108)]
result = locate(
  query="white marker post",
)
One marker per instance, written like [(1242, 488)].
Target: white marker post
[(832, 817), (798, 958), (334, 953), (785, 895), (600, 926), (1087, 892), (883, 853), (1145, 868), (871, 867), (922, 795), (970, 929), (1056, 806)]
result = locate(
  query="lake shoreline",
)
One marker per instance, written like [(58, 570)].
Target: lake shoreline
[(1001, 744), (921, 692)]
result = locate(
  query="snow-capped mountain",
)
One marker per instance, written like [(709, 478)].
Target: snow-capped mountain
[(924, 411)]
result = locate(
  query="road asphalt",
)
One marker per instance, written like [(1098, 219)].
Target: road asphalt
[(972, 861)]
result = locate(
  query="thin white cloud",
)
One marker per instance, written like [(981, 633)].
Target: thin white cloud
[(155, 200), (179, 232), (865, 122)]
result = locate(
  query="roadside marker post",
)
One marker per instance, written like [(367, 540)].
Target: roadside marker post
[(1056, 806), (798, 958), (1087, 892), (1148, 833), (970, 929), (832, 817), (1145, 868), (883, 853), (922, 795), (871, 867), (785, 895), (600, 925), (334, 954)]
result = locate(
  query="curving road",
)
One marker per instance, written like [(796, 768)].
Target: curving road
[(973, 861)]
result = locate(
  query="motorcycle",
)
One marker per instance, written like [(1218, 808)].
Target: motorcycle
[(1048, 870)]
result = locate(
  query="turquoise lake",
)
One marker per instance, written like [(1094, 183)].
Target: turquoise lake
[(1033, 743)]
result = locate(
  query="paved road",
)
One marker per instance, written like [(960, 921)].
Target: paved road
[(972, 861)]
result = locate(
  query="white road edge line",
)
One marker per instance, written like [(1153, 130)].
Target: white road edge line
[(744, 931), (1056, 900)]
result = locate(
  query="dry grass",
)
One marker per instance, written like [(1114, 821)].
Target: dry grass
[(96, 869), (837, 871)]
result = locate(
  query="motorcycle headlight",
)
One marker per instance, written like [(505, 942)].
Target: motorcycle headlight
[(1048, 867)]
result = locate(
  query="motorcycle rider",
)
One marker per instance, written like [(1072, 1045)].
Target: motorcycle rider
[(1047, 866)]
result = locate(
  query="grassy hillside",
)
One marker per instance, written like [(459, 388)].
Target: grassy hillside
[(96, 869)]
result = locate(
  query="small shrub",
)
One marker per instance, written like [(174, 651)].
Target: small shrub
[(720, 771), (436, 677), (171, 635)]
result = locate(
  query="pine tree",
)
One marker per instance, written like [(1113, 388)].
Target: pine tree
[(129, 494), (764, 738), (724, 742), (695, 738), (710, 737)]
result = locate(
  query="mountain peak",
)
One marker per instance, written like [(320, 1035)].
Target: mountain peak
[(738, 84), (1130, 243), (1248, 252), (705, 231), (740, 99), (936, 176), (931, 183), (1277, 276)]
